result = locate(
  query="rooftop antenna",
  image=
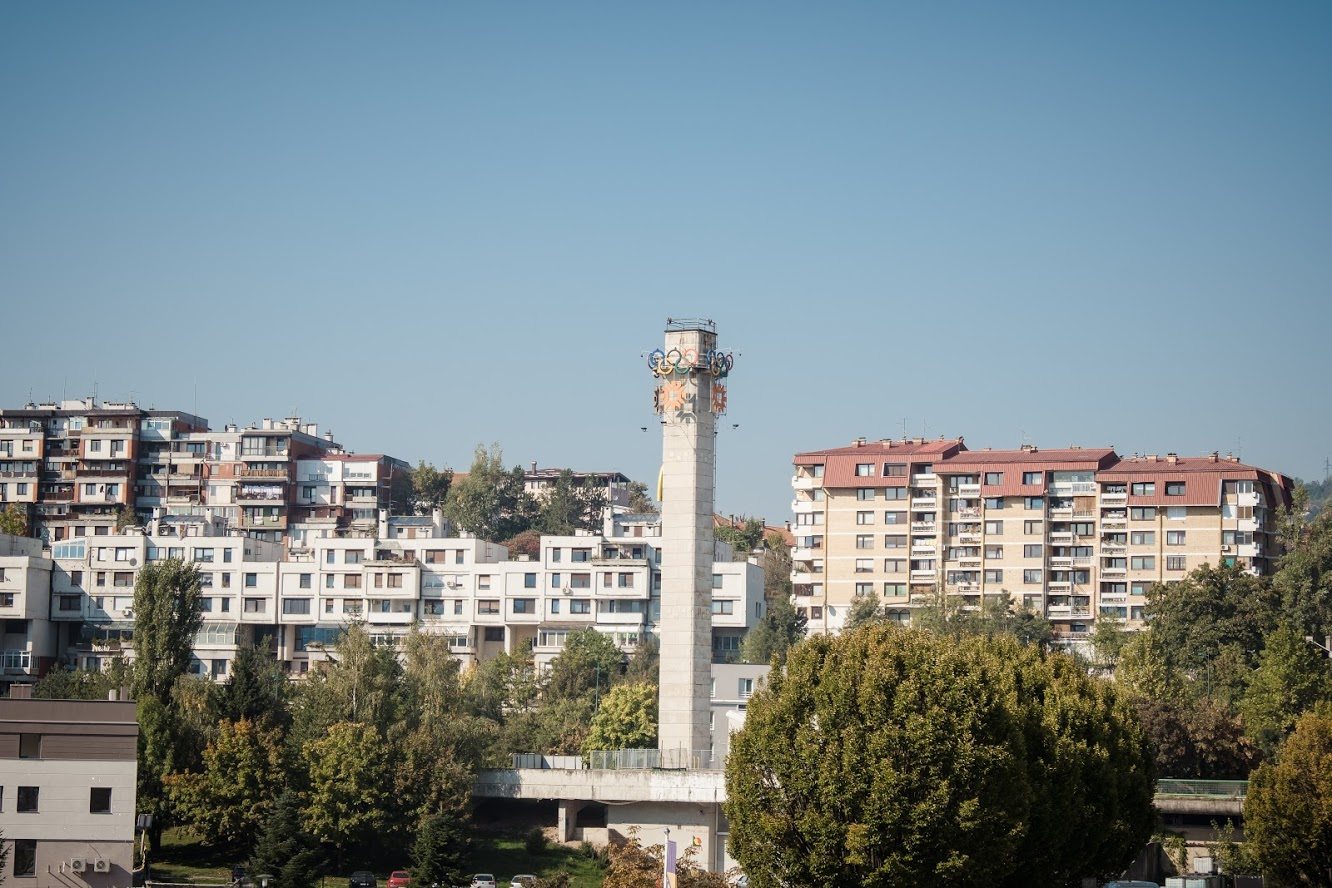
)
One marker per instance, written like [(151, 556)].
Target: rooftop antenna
[(904, 422), (1327, 468)]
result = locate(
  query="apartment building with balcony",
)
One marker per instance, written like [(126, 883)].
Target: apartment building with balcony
[(614, 486), (27, 648), (67, 792), (408, 573), (1071, 533)]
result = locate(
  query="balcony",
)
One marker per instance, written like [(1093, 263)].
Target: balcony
[(1084, 561), (928, 527), (1061, 562), (924, 498), (968, 512), (264, 522), (17, 661), (1073, 488), (1119, 498), (1113, 571), (1061, 536), (965, 490), (261, 473), (969, 536), (802, 577), (927, 550), (803, 553), (802, 505), (805, 482), (928, 575), (925, 478), (363, 499)]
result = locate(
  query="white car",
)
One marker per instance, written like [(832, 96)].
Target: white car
[(522, 880), (484, 880)]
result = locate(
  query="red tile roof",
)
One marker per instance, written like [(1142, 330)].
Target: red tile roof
[(840, 462)]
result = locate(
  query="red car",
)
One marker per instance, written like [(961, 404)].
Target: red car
[(399, 879)]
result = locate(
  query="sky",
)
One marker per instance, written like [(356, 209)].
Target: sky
[(429, 225)]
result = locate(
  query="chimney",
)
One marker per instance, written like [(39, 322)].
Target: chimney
[(1152, 457), (534, 467), (266, 424), (1233, 458), (1028, 448), (328, 436), (1213, 456), (1172, 458)]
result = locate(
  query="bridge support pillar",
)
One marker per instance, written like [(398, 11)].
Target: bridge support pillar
[(568, 818)]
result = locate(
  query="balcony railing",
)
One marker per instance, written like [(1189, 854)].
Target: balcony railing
[(261, 473)]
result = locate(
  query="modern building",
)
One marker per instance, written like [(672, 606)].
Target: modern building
[(614, 486), (28, 647), (67, 792), (1071, 533), (82, 468)]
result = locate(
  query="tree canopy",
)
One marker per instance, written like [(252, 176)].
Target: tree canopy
[(491, 501), (1288, 809), (887, 756)]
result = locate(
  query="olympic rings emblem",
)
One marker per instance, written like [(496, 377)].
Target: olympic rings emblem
[(684, 361)]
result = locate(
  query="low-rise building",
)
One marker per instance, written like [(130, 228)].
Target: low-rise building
[(67, 792)]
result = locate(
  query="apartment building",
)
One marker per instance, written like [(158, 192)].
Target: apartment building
[(614, 486), (78, 466), (408, 572), (1070, 533), (28, 645), (67, 792)]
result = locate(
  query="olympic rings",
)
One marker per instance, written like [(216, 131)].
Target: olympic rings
[(684, 361)]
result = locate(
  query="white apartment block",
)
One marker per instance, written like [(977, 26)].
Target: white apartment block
[(1072, 533), (67, 792), (407, 573)]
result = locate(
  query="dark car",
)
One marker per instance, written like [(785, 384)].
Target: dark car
[(362, 879)]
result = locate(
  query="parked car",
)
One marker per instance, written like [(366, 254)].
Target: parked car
[(484, 880), (362, 879), (399, 879), (522, 880)]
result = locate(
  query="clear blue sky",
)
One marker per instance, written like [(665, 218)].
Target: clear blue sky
[(428, 225)]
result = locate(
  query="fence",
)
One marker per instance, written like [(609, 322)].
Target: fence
[(1215, 789)]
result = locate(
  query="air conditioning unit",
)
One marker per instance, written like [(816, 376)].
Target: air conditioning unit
[(101, 865), (78, 864), (1227, 548), (567, 590)]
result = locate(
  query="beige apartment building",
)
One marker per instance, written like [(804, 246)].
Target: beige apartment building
[(1071, 533)]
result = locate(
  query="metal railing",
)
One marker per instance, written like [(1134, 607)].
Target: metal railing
[(1211, 789)]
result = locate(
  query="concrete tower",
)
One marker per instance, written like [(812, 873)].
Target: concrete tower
[(690, 393)]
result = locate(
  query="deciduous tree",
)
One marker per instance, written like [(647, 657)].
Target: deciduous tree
[(14, 520), (350, 798), (772, 636), (1209, 609), (568, 507), (166, 617), (231, 799), (429, 487), (588, 661), (1291, 677), (1288, 809), (491, 502), (627, 719)]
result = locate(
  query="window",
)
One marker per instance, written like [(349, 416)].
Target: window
[(1034, 502), (1144, 488), (69, 602), (1143, 562), (894, 565), (746, 688), (353, 557), (994, 576), (894, 542), (1143, 538), (27, 800), (1143, 513), (864, 517), (529, 581), (199, 555), (1032, 477), (894, 470), (865, 541), (555, 606), (251, 580), (1033, 528), (351, 581), (30, 746), (305, 582), (256, 606), (723, 607), (994, 527), (1174, 488), (895, 493), (524, 605), (329, 556), (864, 493), (298, 606), (328, 581), (864, 565), (894, 590), (993, 478), (25, 857), (580, 606), (1177, 513), (1175, 562), (994, 502), (864, 470), (1032, 576), (1033, 550), (122, 578), (895, 517), (488, 606), (994, 551)]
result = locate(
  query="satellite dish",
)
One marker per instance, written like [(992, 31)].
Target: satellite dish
[(134, 562)]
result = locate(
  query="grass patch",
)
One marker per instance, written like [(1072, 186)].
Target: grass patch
[(185, 858)]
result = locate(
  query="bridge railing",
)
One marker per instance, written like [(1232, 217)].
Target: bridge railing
[(1214, 789)]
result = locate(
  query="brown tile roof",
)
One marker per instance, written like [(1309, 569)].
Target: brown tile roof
[(885, 448)]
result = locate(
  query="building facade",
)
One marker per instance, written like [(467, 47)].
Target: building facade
[(1071, 533), (67, 792)]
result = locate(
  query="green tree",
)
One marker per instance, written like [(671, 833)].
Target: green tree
[(776, 564), (504, 682), (640, 501), (863, 612), (430, 487), (1196, 739), (557, 727), (567, 507), (125, 517), (14, 520), (1288, 809), (440, 850), (361, 685), (1303, 580), (231, 798), (773, 635), (743, 538), (284, 851), (631, 864), (887, 756), (431, 678), (257, 690), (1145, 670), (1108, 640), (1289, 680), (490, 501), (350, 798), (1209, 609), (166, 617), (528, 543), (81, 684), (627, 719), (645, 663), (588, 664)]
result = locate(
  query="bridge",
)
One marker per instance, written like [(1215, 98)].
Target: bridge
[(1206, 797)]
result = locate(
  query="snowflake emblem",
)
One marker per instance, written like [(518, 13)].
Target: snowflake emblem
[(672, 395), (718, 398)]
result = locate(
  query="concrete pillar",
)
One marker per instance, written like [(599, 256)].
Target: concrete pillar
[(685, 386), (567, 823)]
